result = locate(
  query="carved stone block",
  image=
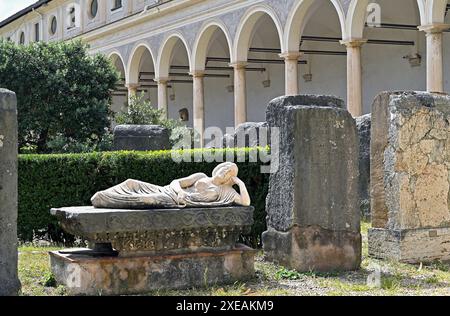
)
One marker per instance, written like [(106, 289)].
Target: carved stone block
[(410, 177)]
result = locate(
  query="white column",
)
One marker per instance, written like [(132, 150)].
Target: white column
[(240, 93), (354, 76), (291, 72), (199, 103), (163, 102), (132, 90), (435, 56)]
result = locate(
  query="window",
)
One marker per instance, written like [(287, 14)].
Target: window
[(72, 18), (22, 38), (36, 32), (53, 25), (94, 8), (117, 4)]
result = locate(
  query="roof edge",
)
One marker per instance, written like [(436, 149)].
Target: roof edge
[(23, 12)]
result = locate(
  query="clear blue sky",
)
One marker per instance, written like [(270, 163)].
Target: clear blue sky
[(9, 7)]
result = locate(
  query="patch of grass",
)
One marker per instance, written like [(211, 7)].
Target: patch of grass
[(365, 226), (35, 274), (286, 274), (391, 283)]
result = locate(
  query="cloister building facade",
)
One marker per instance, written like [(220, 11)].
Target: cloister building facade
[(222, 61)]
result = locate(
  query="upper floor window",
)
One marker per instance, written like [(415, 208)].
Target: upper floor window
[(93, 9), (22, 38), (72, 20), (53, 25), (117, 4), (37, 34)]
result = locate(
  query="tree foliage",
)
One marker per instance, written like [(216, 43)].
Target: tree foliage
[(62, 91)]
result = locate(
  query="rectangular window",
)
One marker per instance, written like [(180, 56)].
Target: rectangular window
[(117, 5), (36, 32)]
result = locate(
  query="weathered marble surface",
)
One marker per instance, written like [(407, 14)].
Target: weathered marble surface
[(141, 137), (410, 158), (83, 275), (312, 205), (134, 232), (9, 282)]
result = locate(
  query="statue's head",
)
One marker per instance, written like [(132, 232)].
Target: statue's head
[(224, 172)]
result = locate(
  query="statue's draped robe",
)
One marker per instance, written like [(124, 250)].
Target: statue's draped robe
[(134, 194)]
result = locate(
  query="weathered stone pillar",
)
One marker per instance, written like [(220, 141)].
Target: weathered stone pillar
[(435, 56), (313, 217), (354, 76), (291, 72), (163, 100), (199, 103), (240, 93), (410, 177), (9, 282)]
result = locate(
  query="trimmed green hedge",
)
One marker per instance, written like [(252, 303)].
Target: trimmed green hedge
[(47, 181)]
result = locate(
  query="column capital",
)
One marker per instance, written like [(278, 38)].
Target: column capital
[(197, 73), (132, 85), (353, 42), (162, 80), (434, 28), (238, 64), (291, 55)]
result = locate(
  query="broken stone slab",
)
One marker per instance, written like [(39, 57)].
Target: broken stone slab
[(85, 275), (312, 206), (410, 177), (9, 281), (363, 124), (141, 137), (157, 231)]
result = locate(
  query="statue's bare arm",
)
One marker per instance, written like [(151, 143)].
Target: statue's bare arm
[(180, 184), (243, 198)]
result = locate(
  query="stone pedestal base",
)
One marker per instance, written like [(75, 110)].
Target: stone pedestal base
[(410, 245), (85, 275), (313, 249)]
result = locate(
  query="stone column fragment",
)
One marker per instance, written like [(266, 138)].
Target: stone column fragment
[(9, 282), (313, 216), (410, 177)]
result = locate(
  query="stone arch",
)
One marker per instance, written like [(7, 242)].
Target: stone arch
[(298, 18), (247, 26), (115, 56), (435, 11), (135, 61), (165, 54), (356, 17), (204, 39)]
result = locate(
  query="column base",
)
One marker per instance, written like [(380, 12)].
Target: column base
[(313, 249), (86, 275), (410, 245)]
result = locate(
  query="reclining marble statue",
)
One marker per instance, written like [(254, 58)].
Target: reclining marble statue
[(145, 237), (197, 190)]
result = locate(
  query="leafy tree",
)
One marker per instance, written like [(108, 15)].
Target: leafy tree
[(62, 92)]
